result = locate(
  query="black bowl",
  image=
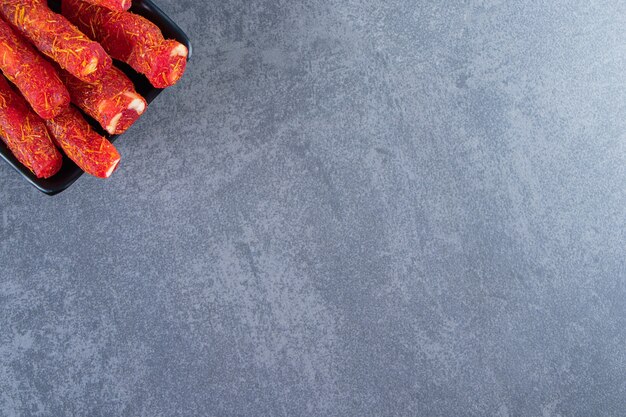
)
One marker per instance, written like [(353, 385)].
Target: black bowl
[(69, 173)]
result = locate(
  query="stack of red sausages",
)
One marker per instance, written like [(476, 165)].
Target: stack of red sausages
[(57, 61)]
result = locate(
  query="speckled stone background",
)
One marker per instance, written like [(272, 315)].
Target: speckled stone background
[(346, 208)]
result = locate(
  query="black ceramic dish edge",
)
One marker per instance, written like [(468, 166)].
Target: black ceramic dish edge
[(70, 172)]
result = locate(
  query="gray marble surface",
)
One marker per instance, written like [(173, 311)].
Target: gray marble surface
[(346, 208)]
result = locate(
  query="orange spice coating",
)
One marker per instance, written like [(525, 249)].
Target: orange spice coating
[(112, 101), (131, 38), (25, 134), (57, 38), (31, 73), (118, 5), (91, 152)]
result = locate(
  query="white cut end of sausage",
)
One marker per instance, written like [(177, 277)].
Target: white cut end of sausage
[(138, 104), (113, 124), (179, 50), (111, 169)]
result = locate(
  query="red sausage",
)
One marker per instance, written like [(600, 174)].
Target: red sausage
[(32, 74), (57, 38), (25, 134), (112, 101), (131, 38), (118, 5), (91, 152)]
